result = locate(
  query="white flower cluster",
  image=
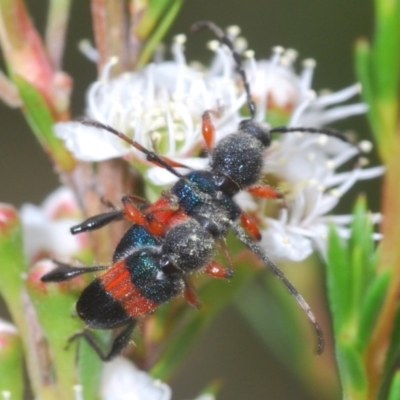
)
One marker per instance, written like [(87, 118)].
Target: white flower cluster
[(305, 165), (161, 107)]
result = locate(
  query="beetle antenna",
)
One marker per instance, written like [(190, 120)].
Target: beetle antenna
[(324, 131), (223, 38), (150, 155), (242, 236)]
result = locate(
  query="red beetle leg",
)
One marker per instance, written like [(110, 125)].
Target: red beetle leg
[(250, 225), (208, 130), (264, 191), (216, 270), (190, 294), (133, 213)]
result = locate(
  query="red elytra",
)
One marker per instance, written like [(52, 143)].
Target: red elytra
[(117, 283)]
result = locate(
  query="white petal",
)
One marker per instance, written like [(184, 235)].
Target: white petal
[(338, 97), (61, 199), (246, 201), (160, 176), (41, 234), (47, 228), (366, 173), (89, 143), (282, 245), (325, 117), (7, 327), (121, 380)]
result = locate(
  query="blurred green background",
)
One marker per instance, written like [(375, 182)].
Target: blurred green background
[(322, 29)]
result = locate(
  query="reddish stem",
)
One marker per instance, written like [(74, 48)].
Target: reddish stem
[(389, 259)]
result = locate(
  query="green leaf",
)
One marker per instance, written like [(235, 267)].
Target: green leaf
[(338, 282), (156, 22), (352, 372), (55, 305), (350, 271), (11, 365), (394, 393), (13, 290), (360, 250), (12, 258), (386, 54), (368, 291), (356, 296), (364, 75), (361, 227), (40, 119), (385, 64), (378, 70), (372, 303)]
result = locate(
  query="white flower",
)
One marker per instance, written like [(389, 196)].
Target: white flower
[(121, 380), (46, 229), (306, 167), (304, 164), (160, 107), (275, 85)]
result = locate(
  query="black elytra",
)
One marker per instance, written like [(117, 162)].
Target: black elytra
[(99, 309)]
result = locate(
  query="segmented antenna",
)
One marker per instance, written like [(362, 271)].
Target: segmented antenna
[(242, 236), (150, 155), (65, 272), (219, 33), (324, 131)]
